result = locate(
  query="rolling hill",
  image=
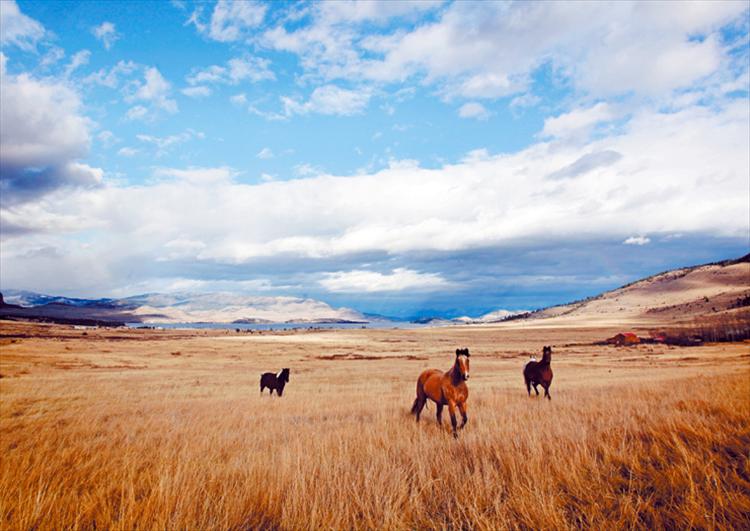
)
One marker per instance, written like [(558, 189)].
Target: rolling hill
[(680, 294)]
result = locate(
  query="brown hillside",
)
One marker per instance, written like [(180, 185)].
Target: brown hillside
[(681, 294)]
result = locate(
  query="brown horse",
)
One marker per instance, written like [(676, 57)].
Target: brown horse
[(445, 388), (539, 373)]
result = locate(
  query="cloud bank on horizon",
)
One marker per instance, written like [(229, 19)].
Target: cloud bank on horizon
[(403, 158)]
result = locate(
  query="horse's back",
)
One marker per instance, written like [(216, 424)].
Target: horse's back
[(268, 379)]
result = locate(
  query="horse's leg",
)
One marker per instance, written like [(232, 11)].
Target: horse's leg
[(528, 385), (452, 411), (535, 388), (464, 417), (440, 414), (546, 391)]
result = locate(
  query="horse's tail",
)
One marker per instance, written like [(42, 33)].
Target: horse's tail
[(414, 406), (420, 401), (420, 392)]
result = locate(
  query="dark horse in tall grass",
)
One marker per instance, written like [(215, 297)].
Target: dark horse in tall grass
[(445, 388), (274, 382), (539, 373)]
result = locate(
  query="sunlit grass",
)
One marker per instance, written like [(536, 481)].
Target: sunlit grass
[(128, 449)]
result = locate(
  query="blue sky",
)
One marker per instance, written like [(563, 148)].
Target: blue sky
[(404, 158)]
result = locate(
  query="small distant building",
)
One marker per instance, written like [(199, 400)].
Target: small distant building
[(624, 339)]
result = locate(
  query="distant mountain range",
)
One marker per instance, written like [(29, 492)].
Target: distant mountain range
[(174, 308), (680, 293), (197, 308)]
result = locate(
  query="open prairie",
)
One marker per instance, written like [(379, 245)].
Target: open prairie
[(149, 429)]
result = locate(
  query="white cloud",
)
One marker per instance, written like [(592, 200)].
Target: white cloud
[(307, 170), (44, 134), (359, 11), (106, 33), (155, 90), (637, 240), (78, 60), (107, 138), (578, 122), (249, 68), (231, 20), (524, 100), (196, 92), (17, 29), (111, 78), (491, 49), (137, 112), (265, 153), (399, 279), (239, 99), (678, 172), (200, 176), (329, 99), (164, 144), (475, 110), (52, 56), (236, 70), (127, 152)]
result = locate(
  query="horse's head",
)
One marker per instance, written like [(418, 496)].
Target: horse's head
[(284, 375), (546, 354), (462, 362)]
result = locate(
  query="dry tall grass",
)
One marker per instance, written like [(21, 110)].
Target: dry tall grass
[(197, 448)]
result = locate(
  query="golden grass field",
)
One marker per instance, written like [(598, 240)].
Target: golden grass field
[(141, 429)]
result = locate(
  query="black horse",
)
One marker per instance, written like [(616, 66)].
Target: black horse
[(539, 373), (274, 382)]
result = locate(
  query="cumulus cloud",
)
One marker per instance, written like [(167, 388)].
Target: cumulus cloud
[(475, 110), (360, 11), (111, 77), (668, 178), (196, 92), (637, 240), (578, 122), (137, 112), (329, 99), (106, 33), (44, 134), (127, 152), (17, 29), (164, 144), (491, 50), (586, 163), (78, 60), (239, 99), (236, 70), (359, 281), (231, 20), (156, 91)]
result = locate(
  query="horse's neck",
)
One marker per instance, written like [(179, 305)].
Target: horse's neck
[(454, 374)]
